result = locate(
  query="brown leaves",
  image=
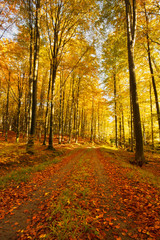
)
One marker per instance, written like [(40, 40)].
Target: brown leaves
[(93, 199)]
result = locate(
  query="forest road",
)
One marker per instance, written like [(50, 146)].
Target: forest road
[(118, 207), (17, 219)]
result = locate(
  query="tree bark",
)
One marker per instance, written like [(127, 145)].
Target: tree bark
[(30, 13), (60, 110), (35, 78), (63, 101), (123, 127), (152, 132), (7, 109), (92, 120), (71, 111), (46, 113), (77, 112), (131, 31), (20, 88), (152, 71), (53, 78), (115, 110)]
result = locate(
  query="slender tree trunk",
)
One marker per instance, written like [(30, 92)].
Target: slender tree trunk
[(152, 72), (99, 121), (35, 71), (92, 120), (95, 125), (82, 123), (35, 78), (60, 110), (30, 10), (50, 146), (7, 109), (19, 107), (120, 131), (77, 112), (144, 133), (67, 118), (46, 113), (131, 31), (115, 111), (4, 114), (71, 111), (26, 113), (18, 112), (18, 120), (41, 107), (123, 128), (131, 123), (152, 132), (63, 100)]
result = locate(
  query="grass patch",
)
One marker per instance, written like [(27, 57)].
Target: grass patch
[(68, 218), (24, 174), (145, 176), (70, 210)]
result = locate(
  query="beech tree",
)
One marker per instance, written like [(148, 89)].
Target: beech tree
[(131, 35)]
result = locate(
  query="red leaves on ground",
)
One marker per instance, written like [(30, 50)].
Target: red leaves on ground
[(115, 206)]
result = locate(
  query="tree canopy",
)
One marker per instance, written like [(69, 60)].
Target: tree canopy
[(66, 69)]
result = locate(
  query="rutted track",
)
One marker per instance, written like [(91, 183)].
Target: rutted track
[(18, 216), (102, 201)]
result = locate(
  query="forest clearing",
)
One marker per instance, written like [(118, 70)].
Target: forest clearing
[(80, 191)]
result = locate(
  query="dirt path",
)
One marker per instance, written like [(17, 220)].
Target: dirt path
[(18, 218), (86, 196)]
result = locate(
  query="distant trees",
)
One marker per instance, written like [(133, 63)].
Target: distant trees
[(49, 74), (52, 69)]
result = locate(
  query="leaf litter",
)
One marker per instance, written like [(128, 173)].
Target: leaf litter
[(88, 196)]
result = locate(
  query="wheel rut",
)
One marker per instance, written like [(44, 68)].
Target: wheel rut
[(19, 217)]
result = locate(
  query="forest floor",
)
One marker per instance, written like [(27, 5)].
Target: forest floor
[(80, 191)]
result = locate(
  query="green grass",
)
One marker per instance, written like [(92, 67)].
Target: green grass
[(71, 220), (70, 210), (145, 176), (24, 174)]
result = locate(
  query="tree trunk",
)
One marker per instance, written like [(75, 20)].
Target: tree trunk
[(41, 106), (71, 111), (46, 113), (98, 121), (123, 128), (77, 112), (115, 111), (60, 110), (35, 78), (92, 120), (20, 86), (152, 72), (120, 131), (131, 31), (131, 126), (53, 78), (63, 100), (30, 12), (152, 132), (7, 109)]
